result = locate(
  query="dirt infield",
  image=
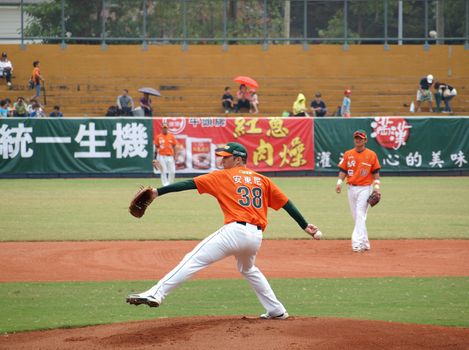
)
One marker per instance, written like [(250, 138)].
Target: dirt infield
[(99, 261)]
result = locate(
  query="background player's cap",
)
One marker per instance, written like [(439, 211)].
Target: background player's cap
[(165, 125), (233, 149), (360, 133)]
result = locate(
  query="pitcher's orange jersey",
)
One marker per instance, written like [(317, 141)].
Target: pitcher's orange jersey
[(243, 194), (165, 144), (360, 166)]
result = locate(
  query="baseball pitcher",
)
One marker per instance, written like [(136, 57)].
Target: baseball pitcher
[(244, 197), (361, 167)]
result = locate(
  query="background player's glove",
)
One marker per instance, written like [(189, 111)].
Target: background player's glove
[(374, 198), (141, 201)]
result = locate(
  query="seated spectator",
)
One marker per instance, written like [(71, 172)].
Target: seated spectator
[(254, 101), (227, 100), (112, 111), (37, 111), (56, 112), (145, 103), (444, 92), (243, 99), (125, 104), (318, 106), (423, 93), (299, 106), (3, 109), (346, 102), (6, 68), (21, 108)]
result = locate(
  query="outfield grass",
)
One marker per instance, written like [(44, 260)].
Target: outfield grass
[(96, 209), (439, 301)]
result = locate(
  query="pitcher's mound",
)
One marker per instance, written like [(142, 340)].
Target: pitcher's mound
[(233, 332)]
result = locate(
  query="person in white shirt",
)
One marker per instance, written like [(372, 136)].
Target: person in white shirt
[(6, 68)]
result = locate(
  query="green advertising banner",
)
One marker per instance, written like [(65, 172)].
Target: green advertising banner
[(74, 146), (88, 146), (402, 144)]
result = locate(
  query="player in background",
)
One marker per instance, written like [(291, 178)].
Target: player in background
[(361, 167), (165, 149), (244, 197)]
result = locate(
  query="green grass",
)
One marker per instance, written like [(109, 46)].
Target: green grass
[(96, 209), (439, 301)]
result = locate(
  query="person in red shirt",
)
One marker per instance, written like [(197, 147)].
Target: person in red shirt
[(244, 197), (165, 144), (361, 167)]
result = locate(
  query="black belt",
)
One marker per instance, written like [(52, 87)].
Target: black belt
[(244, 224)]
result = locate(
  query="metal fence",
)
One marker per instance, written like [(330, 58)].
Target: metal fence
[(230, 22)]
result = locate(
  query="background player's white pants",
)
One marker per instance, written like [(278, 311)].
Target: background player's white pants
[(168, 169), (238, 240), (357, 197)]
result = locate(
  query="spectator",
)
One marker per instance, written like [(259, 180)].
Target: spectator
[(10, 108), (346, 102), (444, 92), (37, 111), (145, 103), (318, 106), (299, 106), (21, 109), (227, 100), (56, 112), (6, 68), (3, 109), (254, 102), (423, 93), (36, 77), (125, 103), (112, 111), (243, 99)]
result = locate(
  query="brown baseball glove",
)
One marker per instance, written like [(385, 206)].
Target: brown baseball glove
[(141, 201), (374, 198)]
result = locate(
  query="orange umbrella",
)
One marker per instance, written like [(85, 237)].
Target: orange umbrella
[(246, 81)]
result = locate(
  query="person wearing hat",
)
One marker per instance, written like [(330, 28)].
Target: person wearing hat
[(244, 197), (424, 94), (165, 147), (6, 68), (346, 102), (360, 166)]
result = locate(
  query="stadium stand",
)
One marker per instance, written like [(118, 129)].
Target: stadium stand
[(85, 80)]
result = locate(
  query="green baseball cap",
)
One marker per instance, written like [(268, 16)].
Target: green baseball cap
[(233, 149)]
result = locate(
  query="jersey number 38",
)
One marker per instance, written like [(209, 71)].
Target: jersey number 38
[(250, 196)]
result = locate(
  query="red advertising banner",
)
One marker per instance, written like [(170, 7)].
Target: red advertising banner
[(273, 144)]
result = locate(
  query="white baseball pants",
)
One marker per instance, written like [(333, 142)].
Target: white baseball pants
[(168, 169), (235, 239), (357, 197)]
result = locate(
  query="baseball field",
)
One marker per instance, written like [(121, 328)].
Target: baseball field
[(70, 253)]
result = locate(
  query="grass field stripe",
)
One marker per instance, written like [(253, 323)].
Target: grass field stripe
[(45, 139)]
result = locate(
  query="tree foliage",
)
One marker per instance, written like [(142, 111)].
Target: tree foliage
[(177, 20)]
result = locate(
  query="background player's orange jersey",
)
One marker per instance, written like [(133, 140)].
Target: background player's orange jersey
[(359, 166), (165, 144), (243, 194)]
